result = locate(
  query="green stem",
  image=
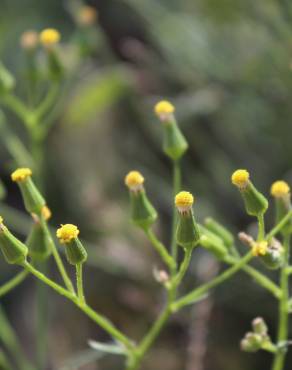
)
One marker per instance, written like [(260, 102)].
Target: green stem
[(97, 318), (79, 282), (60, 265), (203, 289), (183, 267), (261, 227), (17, 107), (48, 101), (176, 189), (279, 226), (160, 248), (12, 283), (282, 337)]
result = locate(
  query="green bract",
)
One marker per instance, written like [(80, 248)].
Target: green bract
[(143, 214)]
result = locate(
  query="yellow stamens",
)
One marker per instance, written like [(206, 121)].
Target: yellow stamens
[(21, 174), (66, 233), (134, 179), (46, 213), (164, 108), (260, 248), (184, 201), (240, 178), (280, 189), (49, 37)]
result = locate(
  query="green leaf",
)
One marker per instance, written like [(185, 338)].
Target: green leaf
[(112, 348)]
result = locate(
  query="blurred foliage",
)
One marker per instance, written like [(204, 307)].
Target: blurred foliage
[(227, 67)]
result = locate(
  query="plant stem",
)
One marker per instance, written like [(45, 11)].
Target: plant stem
[(161, 249), (97, 318), (79, 282), (282, 338), (60, 265), (12, 283), (203, 289), (176, 189), (261, 227), (279, 226), (183, 267)]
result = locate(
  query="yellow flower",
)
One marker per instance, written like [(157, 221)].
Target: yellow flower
[(163, 109), (134, 180), (184, 201), (240, 178), (49, 37), (21, 174), (29, 40), (280, 189), (260, 248), (46, 213), (66, 233), (87, 15)]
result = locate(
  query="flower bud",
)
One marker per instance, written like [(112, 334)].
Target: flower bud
[(7, 81), (259, 326), (220, 231), (75, 251), (274, 256), (280, 190), (143, 213), (86, 16), (33, 200), (29, 40), (252, 342), (213, 246), (38, 243), (174, 143), (49, 38), (14, 250), (255, 203), (187, 232)]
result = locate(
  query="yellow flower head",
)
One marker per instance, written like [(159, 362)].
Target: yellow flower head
[(163, 109), (49, 37), (260, 248), (66, 233), (184, 201), (240, 178), (21, 174), (46, 213), (280, 189), (134, 180), (29, 40), (87, 15)]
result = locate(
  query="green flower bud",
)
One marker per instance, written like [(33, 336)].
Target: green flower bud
[(280, 190), (143, 214), (14, 250), (187, 232), (259, 326), (174, 143), (75, 251), (274, 255), (33, 200), (255, 203), (220, 231), (7, 81), (213, 246), (252, 342), (38, 243), (56, 69)]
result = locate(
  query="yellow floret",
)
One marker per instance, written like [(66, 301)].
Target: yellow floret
[(240, 178), (133, 179), (66, 233), (49, 37), (280, 189), (87, 15), (184, 199), (46, 213), (260, 248), (21, 174), (163, 107)]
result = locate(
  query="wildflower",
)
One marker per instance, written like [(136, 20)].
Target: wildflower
[(29, 40), (87, 15), (143, 213), (14, 251), (280, 190), (49, 37), (33, 200), (174, 143), (187, 233), (255, 203), (75, 251), (260, 248)]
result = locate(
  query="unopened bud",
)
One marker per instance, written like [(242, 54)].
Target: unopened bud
[(259, 326)]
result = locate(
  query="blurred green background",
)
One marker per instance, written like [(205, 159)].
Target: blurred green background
[(226, 66)]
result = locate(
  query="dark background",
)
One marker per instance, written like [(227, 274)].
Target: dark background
[(226, 66)]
